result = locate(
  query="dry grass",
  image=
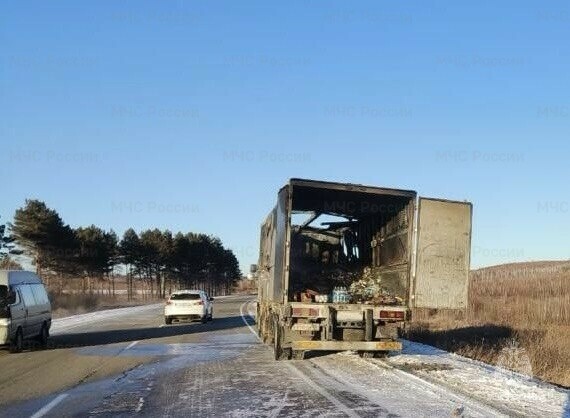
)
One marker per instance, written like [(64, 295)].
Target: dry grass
[(245, 286), (526, 305)]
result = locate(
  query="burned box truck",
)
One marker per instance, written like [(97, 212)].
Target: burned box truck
[(341, 266)]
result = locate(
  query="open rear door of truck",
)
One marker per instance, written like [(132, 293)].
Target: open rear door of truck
[(443, 250)]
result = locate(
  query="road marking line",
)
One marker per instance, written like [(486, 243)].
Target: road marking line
[(322, 391), (161, 325), (245, 320), (131, 345), (50, 406), (250, 311)]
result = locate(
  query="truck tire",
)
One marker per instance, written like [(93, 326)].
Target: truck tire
[(276, 340), (368, 325), (367, 354), (298, 354), (258, 320), (267, 329), (373, 354), (279, 352)]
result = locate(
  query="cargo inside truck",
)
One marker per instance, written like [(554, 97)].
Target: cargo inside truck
[(357, 238)]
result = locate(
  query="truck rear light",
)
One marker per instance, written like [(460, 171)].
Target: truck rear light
[(399, 315), (201, 302), (305, 312)]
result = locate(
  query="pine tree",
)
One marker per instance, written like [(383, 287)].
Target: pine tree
[(42, 235), (7, 247)]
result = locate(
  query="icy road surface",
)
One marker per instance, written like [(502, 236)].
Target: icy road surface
[(125, 362)]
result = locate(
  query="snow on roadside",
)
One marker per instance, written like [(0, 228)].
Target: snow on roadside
[(402, 394), (67, 323), (491, 384)]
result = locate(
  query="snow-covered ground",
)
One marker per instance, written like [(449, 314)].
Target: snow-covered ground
[(503, 389), (236, 371), (68, 323)]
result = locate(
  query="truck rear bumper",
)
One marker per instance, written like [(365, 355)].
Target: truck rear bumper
[(347, 345)]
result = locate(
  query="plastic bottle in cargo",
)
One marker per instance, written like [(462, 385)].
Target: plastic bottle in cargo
[(343, 295)]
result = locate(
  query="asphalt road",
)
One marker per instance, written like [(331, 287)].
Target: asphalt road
[(127, 362)]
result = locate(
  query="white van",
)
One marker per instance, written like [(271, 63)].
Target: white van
[(25, 310)]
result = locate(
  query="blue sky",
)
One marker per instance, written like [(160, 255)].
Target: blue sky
[(190, 115)]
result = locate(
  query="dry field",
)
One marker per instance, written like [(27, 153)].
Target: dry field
[(69, 297), (518, 317), (66, 304)]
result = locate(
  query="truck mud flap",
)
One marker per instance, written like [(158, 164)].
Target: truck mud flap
[(347, 345)]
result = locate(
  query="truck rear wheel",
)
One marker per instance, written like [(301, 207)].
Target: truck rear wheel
[(298, 354), (276, 340), (265, 327), (373, 354), (367, 354), (279, 352), (258, 320)]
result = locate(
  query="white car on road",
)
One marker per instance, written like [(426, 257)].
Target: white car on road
[(188, 305)]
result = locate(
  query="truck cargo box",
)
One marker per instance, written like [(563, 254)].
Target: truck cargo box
[(344, 264)]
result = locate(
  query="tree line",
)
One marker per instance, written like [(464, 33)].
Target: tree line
[(157, 259)]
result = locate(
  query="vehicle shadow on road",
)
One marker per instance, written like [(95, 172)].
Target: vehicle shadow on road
[(83, 339)]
